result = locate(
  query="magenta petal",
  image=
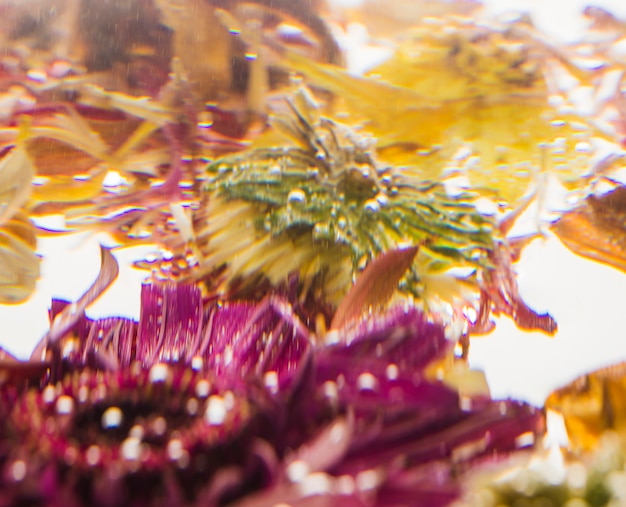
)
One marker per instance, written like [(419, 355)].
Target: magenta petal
[(265, 341), (134, 438), (402, 336), (67, 318), (501, 295), (110, 344), (80, 328), (360, 403), (170, 323)]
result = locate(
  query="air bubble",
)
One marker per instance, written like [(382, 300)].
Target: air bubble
[(583, 147), (392, 371), (367, 382), (112, 418), (159, 426), (271, 381), (192, 406), (312, 173), (203, 388), (18, 470), (131, 448), (65, 405), (372, 206), (382, 199), (197, 363), (216, 410), (158, 373), (296, 196), (92, 455), (175, 449)]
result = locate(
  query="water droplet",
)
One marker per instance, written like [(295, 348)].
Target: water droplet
[(37, 75), (131, 448), (296, 196), (65, 405), (367, 479), (583, 147), (275, 170), (92, 455), (197, 363), (392, 371), (271, 381), (216, 410), (362, 263), (59, 68), (297, 470), (312, 172), (330, 390), (137, 432), (525, 439), (158, 373), (382, 199), (18, 470), (112, 418), (83, 394), (68, 347), (192, 406), (503, 408), (159, 426), (228, 355), (371, 206), (367, 382), (203, 388), (175, 449), (229, 400), (344, 485), (342, 223), (317, 483), (40, 180), (191, 260)]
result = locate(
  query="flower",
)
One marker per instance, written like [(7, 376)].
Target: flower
[(211, 403), (556, 478)]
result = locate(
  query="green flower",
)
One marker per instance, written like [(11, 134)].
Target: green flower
[(322, 206)]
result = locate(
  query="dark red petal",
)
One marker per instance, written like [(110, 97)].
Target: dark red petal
[(264, 340)]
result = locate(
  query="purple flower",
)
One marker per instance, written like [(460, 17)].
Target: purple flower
[(167, 435), (208, 403)]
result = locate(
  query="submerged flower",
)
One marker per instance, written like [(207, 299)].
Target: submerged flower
[(208, 403), (164, 436), (321, 207), (594, 480)]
